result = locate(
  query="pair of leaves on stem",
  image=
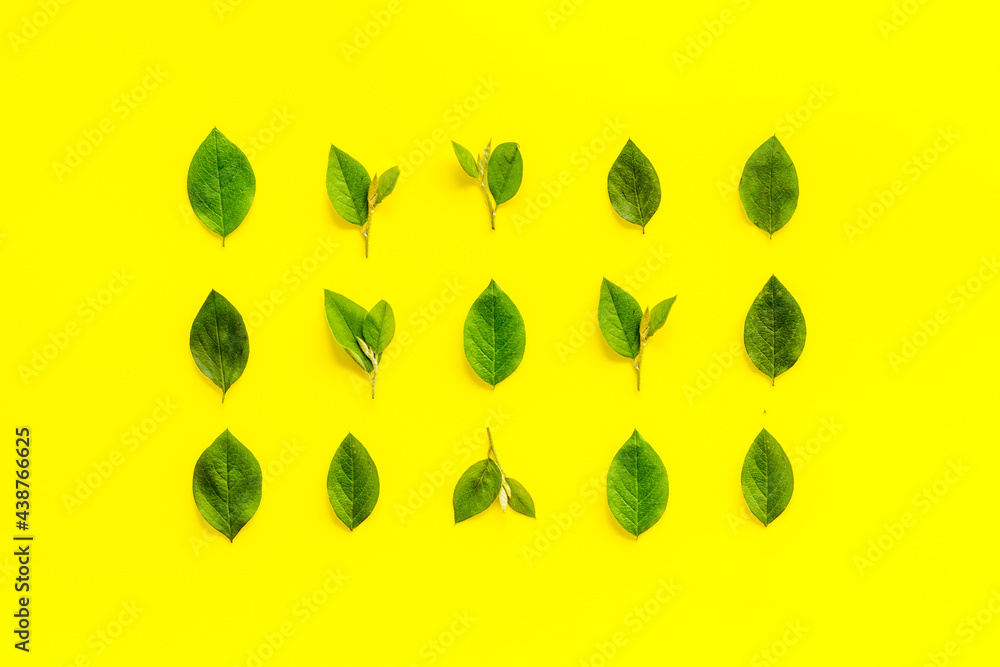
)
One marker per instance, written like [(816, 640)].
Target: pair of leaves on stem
[(364, 334), (352, 483), (485, 481), (494, 335), (774, 333), (498, 172), (637, 486), (227, 485), (221, 184), (633, 186), (624, 324), (219, 342), (767, 478), (353, 193), (769, 187)]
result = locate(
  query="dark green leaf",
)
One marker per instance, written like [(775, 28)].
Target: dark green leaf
[(227, 485), (347, 321), (352, 482), (386, 183), (504, 172), (221, 184), (520, 500), (379, 327), (637, 486), (466, 159), (619, 316), (633, 186), (775, 330), (658, 316), (767, 478), (769, 187), (476, 489), (347, 184), (494, 335), (219, 342)]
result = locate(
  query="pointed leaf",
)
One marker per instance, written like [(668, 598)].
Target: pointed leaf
[(352, 483), (619, 317), (219, 342), (227, 485), (774, 333), (658, 316), (466, 159), (767, 478), (504, 172), (347, 320), (386, 183), (476, 490), (379, 327), (494, 335), (637, 486), (520, 500), (633, 186), (769, 187), (221, 184), (347, 184)]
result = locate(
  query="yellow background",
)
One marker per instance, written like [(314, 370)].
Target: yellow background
[(867, 99)]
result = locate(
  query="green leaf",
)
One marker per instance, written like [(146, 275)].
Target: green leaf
[(379, 327), (221, 184), (658, 316), (219, 342), (476, 489), (633, 186), (494, 335), (504, 172), (637, 486), (775, 330), (347, 321), (347, 184), (619, 316), (386, 183), (520, 500), (227, 485), (767, 478), (352, 483), (466, 159), (769, 187)]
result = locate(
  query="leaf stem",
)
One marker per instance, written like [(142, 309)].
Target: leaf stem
[(637, 365), (365, 229)]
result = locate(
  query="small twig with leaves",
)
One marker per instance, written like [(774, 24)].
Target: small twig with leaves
[(498, 172), (353, 193), (364, 335), (484, 482), (626, 327)]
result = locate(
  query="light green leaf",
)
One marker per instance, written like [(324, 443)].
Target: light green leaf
[(379, 327), (504, 172), (347, 320), (221, 184), (476, 489), (386, 183), (219, 342), (637, 486), (769, 187), (520, 500), (633, 186), (619, 316), (347, 184), (767, 478), (658, 316), (352, 483), (774, 333), (227, 485), (494, 335), (466, 159)]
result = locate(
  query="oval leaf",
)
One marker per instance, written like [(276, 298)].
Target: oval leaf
[(347, 321), (379, 327), (767, 478), (633, 186), (476, 489), (387, 183), (494, 335), (774, 333), (221, 184), (520, 500), (227, 485), (637, 486), (504, 172), (466, 159), (352, 482), (769, 187), (347, 184), (658, 316), (219, 342), (619, 317)]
